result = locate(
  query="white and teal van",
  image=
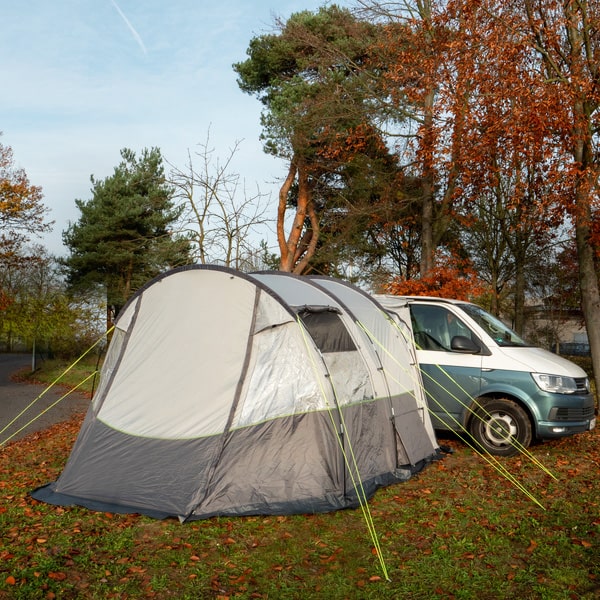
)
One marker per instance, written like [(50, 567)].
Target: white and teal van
[(481, 377)]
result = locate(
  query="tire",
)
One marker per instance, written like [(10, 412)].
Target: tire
[(500, 427)]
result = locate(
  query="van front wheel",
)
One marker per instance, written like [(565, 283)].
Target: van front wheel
[(500, 426)]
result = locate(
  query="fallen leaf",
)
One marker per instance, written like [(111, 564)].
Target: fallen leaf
[(532, 546)]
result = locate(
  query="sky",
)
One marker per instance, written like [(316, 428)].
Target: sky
[(82, 79)]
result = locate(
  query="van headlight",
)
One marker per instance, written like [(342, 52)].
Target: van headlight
[(557, 384)]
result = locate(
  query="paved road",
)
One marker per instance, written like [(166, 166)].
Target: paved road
[(15, 397)]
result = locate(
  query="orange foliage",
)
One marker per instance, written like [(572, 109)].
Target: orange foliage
[(450, 280), (17, 196), (5, 301), (21, 208), (342, 146)]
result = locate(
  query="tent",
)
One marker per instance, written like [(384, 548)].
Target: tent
[(231, 394)]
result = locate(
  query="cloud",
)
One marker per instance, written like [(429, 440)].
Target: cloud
[(136, 35)]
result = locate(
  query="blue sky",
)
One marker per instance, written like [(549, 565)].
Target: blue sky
[(82, 79)]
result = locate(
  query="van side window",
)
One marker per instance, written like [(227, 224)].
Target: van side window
[(435, 326)]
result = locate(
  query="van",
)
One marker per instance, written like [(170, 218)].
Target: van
[(480, 377)]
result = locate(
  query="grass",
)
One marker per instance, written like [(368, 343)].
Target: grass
[(69, 373), (459, 530)]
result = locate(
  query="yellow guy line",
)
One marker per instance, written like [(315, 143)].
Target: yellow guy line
[(44, 411), (358, 487), (477, 415), (515, 443), (490, 459), (50, 386)]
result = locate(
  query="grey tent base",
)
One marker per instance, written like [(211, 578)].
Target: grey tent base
[(48, 495)]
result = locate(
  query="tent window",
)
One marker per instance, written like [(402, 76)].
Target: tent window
[(327, 330)]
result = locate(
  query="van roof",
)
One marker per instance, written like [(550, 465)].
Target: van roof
[(424, 299)]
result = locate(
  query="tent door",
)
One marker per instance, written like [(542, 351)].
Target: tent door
[(412, 445)]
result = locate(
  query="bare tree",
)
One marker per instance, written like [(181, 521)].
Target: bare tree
[(220, 219)]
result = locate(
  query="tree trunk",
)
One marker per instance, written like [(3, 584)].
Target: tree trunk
[(588, 281), (285, 256), (426, 151), (583, 153), (300, 245), (428, 188), (519, 302), (494, 297), (309, 247)]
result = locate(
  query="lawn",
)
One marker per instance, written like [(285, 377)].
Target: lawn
[(459, 530)]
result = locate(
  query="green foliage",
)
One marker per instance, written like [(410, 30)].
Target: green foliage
[(310, 48), (70, 372), (124, 235), (310, 78), (40, 312)]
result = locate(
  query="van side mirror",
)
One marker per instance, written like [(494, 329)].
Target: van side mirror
[(463, 344)]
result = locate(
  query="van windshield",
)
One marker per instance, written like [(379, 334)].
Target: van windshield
[(497, 330)]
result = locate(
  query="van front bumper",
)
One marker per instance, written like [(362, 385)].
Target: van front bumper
[(556, 429)]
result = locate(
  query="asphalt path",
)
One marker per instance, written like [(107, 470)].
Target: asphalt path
[(16, 419)]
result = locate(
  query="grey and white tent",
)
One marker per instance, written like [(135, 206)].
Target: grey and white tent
[(231, 394)]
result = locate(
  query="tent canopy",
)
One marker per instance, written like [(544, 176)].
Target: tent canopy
[(231, 394)]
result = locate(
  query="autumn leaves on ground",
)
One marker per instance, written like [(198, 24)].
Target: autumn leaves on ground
[(458, 530)]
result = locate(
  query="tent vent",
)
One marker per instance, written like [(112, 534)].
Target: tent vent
[(327, 330)]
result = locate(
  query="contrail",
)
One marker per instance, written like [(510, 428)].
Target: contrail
[(134, 33)]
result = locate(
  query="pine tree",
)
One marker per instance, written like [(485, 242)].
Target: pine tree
[(124, 235)]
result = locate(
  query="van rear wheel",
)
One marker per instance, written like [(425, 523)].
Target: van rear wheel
[(500, 426)]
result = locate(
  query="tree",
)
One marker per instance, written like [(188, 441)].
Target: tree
[(546, 57), (311, 82), (219, 224), (41, 315), (480, 140), (22, 215), (125, 234), (21, 210), (416, 86), (509, 204), (450, 279), (564, 36)]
